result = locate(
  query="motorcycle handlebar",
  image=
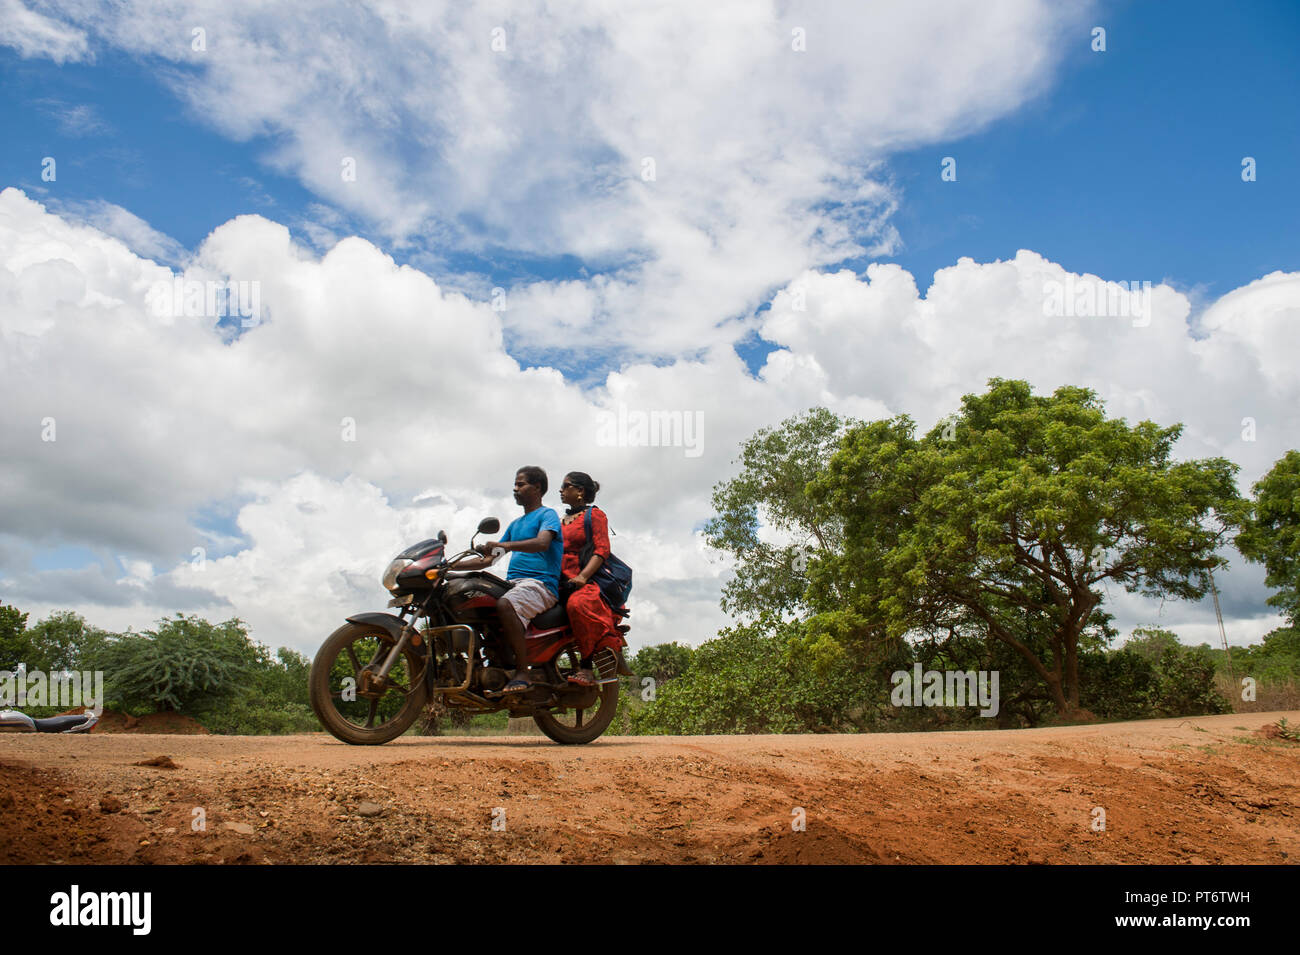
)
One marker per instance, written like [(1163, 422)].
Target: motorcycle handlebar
[(452, 561)]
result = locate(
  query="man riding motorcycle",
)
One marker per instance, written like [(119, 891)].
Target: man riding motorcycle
[(536, 549)]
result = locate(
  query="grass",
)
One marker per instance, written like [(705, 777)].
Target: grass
[(1271, 694), (1283, 742), (487, 724)]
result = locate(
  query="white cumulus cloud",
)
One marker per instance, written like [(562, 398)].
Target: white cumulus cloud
[(697, 154), (371, 407)]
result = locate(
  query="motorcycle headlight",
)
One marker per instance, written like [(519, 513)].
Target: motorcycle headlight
[(396, 567)]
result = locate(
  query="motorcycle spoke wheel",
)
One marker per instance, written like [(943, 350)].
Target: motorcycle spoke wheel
[(347, 699), (579, 724)]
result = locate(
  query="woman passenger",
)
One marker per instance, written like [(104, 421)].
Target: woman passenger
[(590, 617)]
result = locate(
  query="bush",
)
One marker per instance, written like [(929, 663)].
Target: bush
[(747, 682), (250, 717), (1150, 643), (186, 665), (271, 698), (662, 662), (1276, 660), (1134, 683), (1117, 685), (64, 641), (1185, 684)]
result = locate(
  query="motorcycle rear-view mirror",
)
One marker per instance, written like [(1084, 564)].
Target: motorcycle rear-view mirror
[(442, 536), (489, 525)]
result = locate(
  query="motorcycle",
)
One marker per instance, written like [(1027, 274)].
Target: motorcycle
[(373, 677), (16, 721)]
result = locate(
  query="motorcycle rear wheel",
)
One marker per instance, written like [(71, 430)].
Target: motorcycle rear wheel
[(349, 650), (577, 726)]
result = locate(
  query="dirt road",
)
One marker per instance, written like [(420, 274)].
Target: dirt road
[(1200, 790)]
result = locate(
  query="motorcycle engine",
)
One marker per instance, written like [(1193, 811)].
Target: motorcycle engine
[(491, 678), (455, 672)]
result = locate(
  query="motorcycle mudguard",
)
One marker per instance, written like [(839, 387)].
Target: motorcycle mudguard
[(545, 645), (386, 621)]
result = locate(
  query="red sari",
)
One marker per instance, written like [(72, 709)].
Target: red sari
[(590, 617)]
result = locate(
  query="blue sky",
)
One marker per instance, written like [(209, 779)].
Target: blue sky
[(1129, 167)]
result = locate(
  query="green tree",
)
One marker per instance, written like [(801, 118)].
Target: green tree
[(1005, 523), (1150, 643), (271, 696), (187, 663), (663, 662), (284, 678), (1023, 697), (64, 641), (15, 643), (776, 466), (1271, 534), (1275, 660)]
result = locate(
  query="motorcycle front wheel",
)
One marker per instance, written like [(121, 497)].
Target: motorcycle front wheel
[(346, 698)]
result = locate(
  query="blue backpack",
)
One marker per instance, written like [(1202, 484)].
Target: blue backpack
[(614, 577)]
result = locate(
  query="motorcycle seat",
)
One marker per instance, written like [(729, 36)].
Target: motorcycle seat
[(550, 619)]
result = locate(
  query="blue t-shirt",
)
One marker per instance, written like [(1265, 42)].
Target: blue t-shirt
[(543, 565)]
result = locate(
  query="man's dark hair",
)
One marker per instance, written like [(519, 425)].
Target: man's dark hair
[(534, 476)]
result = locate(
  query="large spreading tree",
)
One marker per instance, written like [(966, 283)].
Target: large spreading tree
[(1004, 524)]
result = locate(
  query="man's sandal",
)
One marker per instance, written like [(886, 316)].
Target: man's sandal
[(517, 685)]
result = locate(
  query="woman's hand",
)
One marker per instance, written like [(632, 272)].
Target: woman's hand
[(579, 581)]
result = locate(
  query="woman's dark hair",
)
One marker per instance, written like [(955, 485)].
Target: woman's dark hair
[(584, 481), (534, 476)]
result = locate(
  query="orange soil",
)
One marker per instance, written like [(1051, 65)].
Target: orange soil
[(1200, 790)]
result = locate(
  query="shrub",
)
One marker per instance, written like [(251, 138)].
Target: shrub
[(1185, 684), (747, 682), (1117, 685), (187, 664)]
